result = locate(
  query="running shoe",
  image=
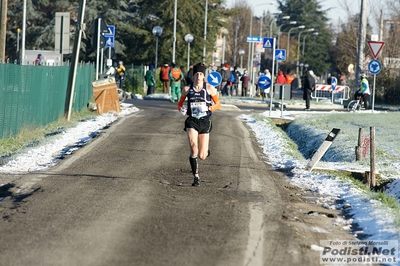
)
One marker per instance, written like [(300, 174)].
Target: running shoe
[(196, 181)]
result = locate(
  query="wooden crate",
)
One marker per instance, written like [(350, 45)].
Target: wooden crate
[(106, 95)]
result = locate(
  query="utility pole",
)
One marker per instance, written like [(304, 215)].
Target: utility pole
[(3, 29), (362, 31)]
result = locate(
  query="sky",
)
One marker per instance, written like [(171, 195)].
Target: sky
[(372, 218), (336, 13)]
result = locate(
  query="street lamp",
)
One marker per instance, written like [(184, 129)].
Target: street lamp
[(279, 38), (279, 29), (304, 42), (298, 48), (241, 53), (250, 60), (288, 39), (205, 32), (273, 20), (157, 31), (188, 38)]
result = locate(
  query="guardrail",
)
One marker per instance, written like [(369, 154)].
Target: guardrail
[(338, 95)]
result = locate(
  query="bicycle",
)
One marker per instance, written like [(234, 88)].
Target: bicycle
[(355, 105)]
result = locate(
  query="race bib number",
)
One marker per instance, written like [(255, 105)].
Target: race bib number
[(199, 109)]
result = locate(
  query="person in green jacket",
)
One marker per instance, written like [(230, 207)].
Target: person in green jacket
[(150, 80), (176, 76)]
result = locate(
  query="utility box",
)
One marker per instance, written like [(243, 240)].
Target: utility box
[(282, 90), (106, 95)]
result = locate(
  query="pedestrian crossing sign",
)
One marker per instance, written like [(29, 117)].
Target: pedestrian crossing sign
[(280, 54), (268, 43)]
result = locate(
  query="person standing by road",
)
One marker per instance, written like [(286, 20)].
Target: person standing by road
[(150, 80), (39, 60), (202, 100), (225, 74), (245, 83), (308, 88), (175, 76), (120, 74), (235, 86), (164, 77)]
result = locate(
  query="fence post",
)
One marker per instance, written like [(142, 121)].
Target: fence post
[(372, 157), (359, 144)]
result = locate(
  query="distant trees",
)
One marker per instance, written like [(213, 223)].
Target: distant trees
[(133, 20)]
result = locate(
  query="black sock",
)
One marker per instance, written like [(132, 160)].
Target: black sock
[(194, 164)]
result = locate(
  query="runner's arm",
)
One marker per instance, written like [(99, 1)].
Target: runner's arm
[(183, 97), (214, 96)]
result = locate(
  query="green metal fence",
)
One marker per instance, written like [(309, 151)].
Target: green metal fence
[(34, 96)]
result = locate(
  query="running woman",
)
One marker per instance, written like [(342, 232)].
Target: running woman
[(202, 101)]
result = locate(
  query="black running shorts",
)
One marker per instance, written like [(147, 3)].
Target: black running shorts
[(202, 126)]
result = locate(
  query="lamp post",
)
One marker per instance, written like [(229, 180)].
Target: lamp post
[(188, 38), (304, 43), (205, 32), (270, 25), (174, 39), (298, 48), (241, 53), (250, 60), (157, 31), (279, 29), (279, 38), (288, 41)]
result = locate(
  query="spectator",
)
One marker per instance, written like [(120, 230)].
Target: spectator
[(110, 71), (235, 85), (265, 91), (175, 76), (164, 77), (120, 74), (150, 80), (189, 75), (308, 88), (225, 74), (245, 83), (183, 81), (39, 60), (280, 79)]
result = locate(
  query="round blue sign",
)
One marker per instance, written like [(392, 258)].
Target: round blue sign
[(374, 66), (264, 82), (214, 78)]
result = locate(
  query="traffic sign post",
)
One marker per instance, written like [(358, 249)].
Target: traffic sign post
[(374, 67), (271, 93), (375, 47), (280, 54)]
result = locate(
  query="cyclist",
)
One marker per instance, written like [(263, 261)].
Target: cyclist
[(363, 91)]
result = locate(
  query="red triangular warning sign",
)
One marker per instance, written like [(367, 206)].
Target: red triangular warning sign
[(375, 47)]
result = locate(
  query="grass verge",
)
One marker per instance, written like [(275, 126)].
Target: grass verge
[(30, 136)]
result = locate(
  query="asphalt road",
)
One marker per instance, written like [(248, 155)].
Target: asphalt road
[(126, 199)]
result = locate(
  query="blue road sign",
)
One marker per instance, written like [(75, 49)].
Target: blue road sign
[(214, 78), (264, 82), (374, 66), (268, 43), (334, 83), (109, 41), (280, 54), (110, 37), (253, 39), (111, 29)]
